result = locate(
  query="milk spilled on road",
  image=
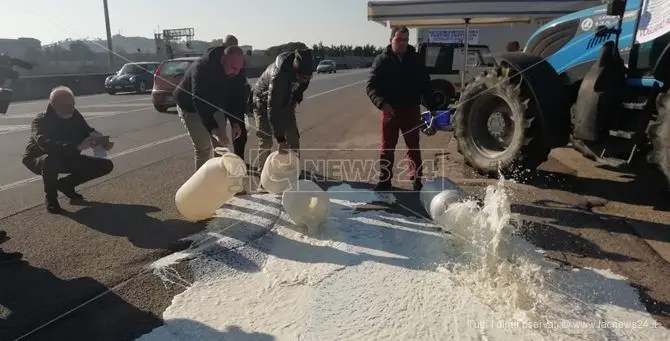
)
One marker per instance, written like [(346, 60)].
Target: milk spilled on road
[(374, 275)]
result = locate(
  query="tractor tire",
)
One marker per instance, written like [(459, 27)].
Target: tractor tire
[(443, 93), (497, 125), (659, 134)]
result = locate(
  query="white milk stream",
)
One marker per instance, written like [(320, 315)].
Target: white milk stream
[(373, 275)]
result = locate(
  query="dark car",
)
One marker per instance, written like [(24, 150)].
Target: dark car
[(166, 78), (326, 66), (132, 77)]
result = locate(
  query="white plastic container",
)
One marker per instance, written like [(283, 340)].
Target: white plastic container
[(280, 171), (436, 196), (306, 204), (213, 185)]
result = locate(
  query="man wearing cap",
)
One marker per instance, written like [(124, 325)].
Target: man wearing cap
[(276, 94)]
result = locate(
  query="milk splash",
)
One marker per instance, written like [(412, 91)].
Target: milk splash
[(512, 277), (375, 275), (497, 264)]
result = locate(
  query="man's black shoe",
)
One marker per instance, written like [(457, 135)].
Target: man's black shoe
[(69, 192), (11, 257), (179, 245), (383, 186), (53, 206)]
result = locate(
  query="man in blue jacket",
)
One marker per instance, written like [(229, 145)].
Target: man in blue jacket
[(208, 95)]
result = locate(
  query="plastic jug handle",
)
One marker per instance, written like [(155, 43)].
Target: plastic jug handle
[(221, 150)]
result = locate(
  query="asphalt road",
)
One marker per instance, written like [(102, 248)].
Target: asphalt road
[(89, 265), (72, 258), (142, 136)]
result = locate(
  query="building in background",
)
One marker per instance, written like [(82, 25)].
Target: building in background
[(20, 48)]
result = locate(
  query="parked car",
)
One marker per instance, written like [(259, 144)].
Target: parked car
[(167, 77), (326, 66), (132, 77)]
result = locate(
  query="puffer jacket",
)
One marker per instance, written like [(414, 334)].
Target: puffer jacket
[(204, 89), (277, 89)]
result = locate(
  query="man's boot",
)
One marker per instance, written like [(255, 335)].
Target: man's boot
[(383, 186), (417, 185), (66, 187), (52, 204), (6, 258)]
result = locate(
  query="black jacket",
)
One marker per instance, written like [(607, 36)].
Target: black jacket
[(400, 84), (277, 89), (51, 134), (205, 89)]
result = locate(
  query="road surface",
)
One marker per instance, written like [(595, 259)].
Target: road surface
[(85, 273)]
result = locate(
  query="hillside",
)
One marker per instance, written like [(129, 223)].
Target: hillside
[(124, 44)]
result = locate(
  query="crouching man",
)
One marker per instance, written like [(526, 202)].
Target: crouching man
[(58, 136), (275, 96)]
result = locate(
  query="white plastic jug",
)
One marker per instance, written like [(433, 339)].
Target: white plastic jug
[(280, 171), (436, 196), (214, 184), (306, 204)]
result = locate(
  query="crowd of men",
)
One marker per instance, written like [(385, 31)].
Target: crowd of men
[(215, 92)]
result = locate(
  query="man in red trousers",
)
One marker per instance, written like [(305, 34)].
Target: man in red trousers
[(397, 83)]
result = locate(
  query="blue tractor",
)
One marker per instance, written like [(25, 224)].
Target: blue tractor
[(582, 79)]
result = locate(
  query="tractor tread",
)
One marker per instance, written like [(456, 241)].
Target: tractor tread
[(528, 152)]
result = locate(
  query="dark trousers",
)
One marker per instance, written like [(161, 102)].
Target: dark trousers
[(82, 168), (407, 121), (240, 143)]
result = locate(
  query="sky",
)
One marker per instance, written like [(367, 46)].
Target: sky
[(260, 23)]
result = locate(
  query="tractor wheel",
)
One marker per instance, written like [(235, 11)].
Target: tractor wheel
[(443, 93), (659, 134), (496, 125)]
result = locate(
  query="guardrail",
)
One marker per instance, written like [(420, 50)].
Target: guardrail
[(38, 87)]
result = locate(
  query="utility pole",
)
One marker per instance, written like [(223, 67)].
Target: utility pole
[(110, 49)]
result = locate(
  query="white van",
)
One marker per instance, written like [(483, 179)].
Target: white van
[(444, 62)]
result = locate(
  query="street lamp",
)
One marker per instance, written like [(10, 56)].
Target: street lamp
[(110, 49)]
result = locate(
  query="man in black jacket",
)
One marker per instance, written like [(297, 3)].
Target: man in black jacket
[(240, 143), (397, 83), (276, 94), (58, 136), (210, 93)]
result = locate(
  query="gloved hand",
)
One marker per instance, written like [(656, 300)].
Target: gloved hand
[(427, 128)]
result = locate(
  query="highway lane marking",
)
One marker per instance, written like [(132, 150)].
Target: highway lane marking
[(89, 116), (32, 115), (12, 128), (129, 102), (113, 156), (336, 89), (155, 143), (115, 105)]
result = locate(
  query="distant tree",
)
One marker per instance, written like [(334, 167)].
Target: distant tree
[(79, 50), (273, 51), (33, 55), (55, 53)]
